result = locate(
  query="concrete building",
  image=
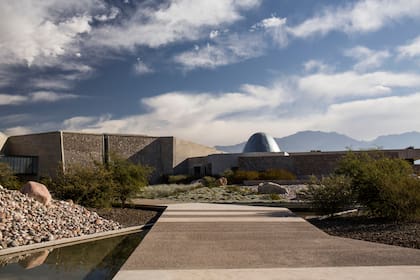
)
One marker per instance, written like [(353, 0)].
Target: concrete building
[(36, 155), (44, 153)]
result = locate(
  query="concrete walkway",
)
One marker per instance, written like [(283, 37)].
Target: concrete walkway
[(210, 241)]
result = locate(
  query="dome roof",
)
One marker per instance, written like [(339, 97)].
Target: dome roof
[(261, 143)]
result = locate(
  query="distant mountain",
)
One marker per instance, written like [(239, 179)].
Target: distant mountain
[(305, 141)]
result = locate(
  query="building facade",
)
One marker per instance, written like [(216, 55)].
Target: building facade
[(60, 150)]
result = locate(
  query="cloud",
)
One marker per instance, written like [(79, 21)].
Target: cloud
[(316, 66), (175, 21), (191, 115), (411, 49), (8, 99), (34, 97), (360, 17), (141, 68), (17, 130), (369, 118), (225, 50), (275, 27), (30, 32), (366, 58), (353, 84)]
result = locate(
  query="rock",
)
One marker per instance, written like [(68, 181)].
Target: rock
[(34, 260), (199, 182), (271, 188), (222, 181), (37, 191)]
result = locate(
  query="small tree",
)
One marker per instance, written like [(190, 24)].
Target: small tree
[(330, 194), (384, 185), (7, 178), (127, 178)]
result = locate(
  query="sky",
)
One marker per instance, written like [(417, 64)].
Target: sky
[(213, 72)]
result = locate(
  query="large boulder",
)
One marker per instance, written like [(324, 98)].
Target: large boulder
[(37, 191), (222, 181), (270, 188)]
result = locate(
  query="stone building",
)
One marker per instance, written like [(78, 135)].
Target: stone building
[(36, 155), (42, 154)]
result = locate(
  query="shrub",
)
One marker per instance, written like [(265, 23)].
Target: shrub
[(127, 178), (384, 185), (241, 175), (330, 194), (7, 178), (276, 174), (209, 181), (179, 179), (99, 185)]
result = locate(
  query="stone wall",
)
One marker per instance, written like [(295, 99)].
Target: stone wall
[(45, 146), (184, 150), (156, 152), (3, 139), (82, 149), (265, 161)]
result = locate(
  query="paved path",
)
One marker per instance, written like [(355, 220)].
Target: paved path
[(210, 241)]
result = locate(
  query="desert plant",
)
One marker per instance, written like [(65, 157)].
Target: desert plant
[(384, 185), (330, 194), (99, 184), (241, 175), (7, 178), (276, 174), (179, 179)]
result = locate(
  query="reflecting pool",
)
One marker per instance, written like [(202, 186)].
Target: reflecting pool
[(99, 259)]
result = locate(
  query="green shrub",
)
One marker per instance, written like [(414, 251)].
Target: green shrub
[(384, 185), (241, 175), (7, 178), (99, 185), (330, 194), (209, 181), (276, 174), (179, 179), (275, 196)]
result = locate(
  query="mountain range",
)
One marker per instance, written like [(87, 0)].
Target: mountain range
[(306, 141)]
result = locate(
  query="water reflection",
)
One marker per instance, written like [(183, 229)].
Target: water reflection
[(93, 260)]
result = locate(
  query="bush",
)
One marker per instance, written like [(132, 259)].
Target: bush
[(7, 178), (240, 175), (384, 185), (179, 179), (209, 181), (99, 185), (276, 174), (330, 194)]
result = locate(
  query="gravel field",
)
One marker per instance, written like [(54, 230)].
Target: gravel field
[(404, 234)]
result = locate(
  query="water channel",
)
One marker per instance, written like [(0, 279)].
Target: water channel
[(99, 259)]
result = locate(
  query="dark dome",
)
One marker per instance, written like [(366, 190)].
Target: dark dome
[(261, 143)]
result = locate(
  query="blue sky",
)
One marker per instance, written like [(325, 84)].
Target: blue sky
[(213, 72)]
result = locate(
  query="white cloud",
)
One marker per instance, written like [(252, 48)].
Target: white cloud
[(191, 115), (362, 16), (17, 130), (171, 22), (38, 96), (8, 99), (141, 68), (314, 65), (29, 31), (366, 58), (49, 96), (275, 27), (113, 13), (411, 49), (369, 118), (347, 84), (225, 50), (213, 34)]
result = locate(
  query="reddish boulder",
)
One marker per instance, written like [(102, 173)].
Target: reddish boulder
[(222, 181), (37, 191)]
